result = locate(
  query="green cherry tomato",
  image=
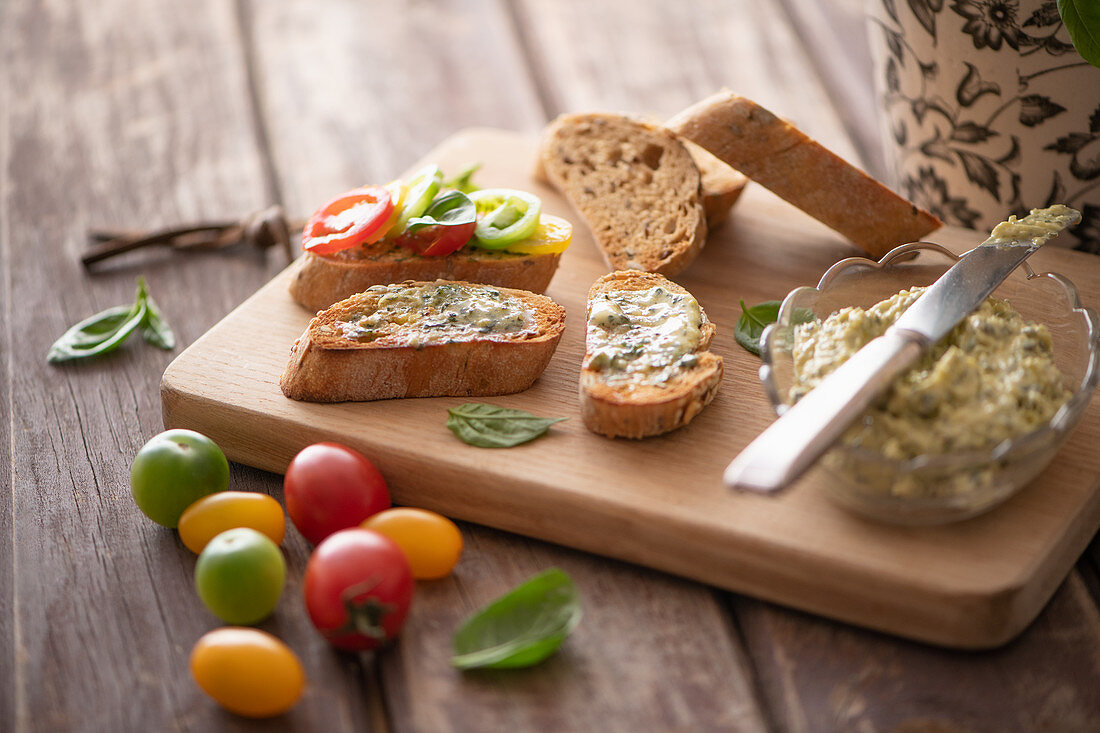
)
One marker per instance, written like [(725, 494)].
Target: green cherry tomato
[(174, 470), (240, 576), (248, 671), (505, 215), (212, 515), (423, 187)]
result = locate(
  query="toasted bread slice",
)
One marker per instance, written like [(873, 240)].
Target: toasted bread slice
[(322, 280), (721, 185), (424, 339), (646, 366), (635, 185), (777, 155)]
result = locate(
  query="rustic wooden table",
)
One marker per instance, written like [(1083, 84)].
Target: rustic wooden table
[(118, 113)]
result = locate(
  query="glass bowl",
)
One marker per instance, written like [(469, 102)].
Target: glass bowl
[(941, 488)]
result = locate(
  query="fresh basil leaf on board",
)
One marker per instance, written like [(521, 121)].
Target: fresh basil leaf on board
[(489, 426), (105, 331), (750, 326), (155, 330), (464, 181), (1082, 21), (521, 628)]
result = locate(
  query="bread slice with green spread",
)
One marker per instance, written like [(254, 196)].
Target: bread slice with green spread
[(646, 367), (776, 154), (321, 280), (636, 186), (424, 339)]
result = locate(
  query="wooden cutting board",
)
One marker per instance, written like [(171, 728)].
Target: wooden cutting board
[(660, 502)]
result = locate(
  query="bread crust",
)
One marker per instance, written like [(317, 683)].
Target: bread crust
[(774, 153), (322, 280), (326, 367), (634, 184), (647, 410)]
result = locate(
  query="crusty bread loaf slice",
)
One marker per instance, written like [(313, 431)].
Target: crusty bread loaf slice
[(635, 185), (622, 397), (322, 280), (402, 341), (777, 155), (720, 185)]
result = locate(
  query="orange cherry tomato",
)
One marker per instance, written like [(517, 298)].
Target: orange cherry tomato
[(430, 541), (212, 515), (353, 218), (247, 671)]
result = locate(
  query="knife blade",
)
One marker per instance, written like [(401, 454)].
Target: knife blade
[(794, 442)]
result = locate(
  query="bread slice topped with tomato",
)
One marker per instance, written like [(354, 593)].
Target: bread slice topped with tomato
[(424, 229), (424, 339)]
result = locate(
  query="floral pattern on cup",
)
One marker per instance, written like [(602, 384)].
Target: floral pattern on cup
[(990, 110)]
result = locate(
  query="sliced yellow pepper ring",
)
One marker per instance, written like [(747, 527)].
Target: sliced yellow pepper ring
[(398, 192), (552, 235)]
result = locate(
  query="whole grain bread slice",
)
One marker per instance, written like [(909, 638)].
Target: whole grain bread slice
[(327, 366), (322, 280), (636, 186), (630, 410), (774, 153)]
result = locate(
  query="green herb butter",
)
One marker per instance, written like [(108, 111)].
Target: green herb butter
[(438, 313), (643, 336), (992, 378), (1034, 229)]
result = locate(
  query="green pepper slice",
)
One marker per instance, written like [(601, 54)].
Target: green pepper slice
[(423, 187), (504, 215)]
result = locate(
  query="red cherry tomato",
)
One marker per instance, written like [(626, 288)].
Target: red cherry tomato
[(329, 487), (438, 240), (352, 218), (358, 588)]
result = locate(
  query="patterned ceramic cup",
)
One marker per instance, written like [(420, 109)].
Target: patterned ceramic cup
[(990, 110)]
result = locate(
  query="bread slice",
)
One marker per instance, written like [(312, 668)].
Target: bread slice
[(721, 185), (424, 339), (635, 185), (322, 280), (631, 384), (777, 155)]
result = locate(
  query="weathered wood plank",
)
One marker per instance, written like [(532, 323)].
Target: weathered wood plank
[(127, 114), (655, 58), (826, 677), (612, 675)]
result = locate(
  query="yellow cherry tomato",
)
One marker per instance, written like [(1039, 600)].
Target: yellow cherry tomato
[(247, 671), (399, 191), (214, 514), (430, 541), (553, 234)]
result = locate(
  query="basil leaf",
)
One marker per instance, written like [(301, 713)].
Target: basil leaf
[(489, 426), (750, 326), (155, 330), (464, 181), (522, 627), (452, 208), (1082, 20), (98, 334)]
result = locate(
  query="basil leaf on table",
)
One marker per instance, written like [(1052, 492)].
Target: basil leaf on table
[(105, 331), (1082, 21), (464, 181), (489, 426), (453, 208), (522, 627), (750, 326)]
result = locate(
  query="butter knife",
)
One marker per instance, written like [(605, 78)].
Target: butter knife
[(786, 449)]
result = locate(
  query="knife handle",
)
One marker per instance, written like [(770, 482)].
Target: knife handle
[(808, 428)]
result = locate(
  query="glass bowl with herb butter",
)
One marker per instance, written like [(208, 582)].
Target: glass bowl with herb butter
[(975, 420)]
